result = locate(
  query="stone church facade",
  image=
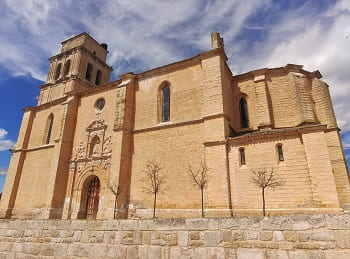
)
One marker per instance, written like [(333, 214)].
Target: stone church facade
[(87, 136)]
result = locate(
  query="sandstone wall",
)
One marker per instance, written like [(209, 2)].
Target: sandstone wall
[(302, 236)]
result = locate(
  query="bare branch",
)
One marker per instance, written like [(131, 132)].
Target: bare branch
[(115, 189), (264, 179), (200, 176), (153, 180)]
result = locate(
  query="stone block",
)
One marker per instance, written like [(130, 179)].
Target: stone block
[(270, 254), (171, 224), (229, 223), (324, 245), (213, 224), (182, 238), (243, 253), (137, 237), (304, 236), (60, 250), (147, 224), (290, 236), (342, 238), (237, 235), (66, 233), (338, 221), (84, 238), (252, 235), (227, 236), (143, 251), (111, 251), (17, 248), (193, 235), (278, 236), (322, 235), (277, 223), (155, 252), (265, 236), (172, 239), (180, 252), (301, 225), (216, 253), (121, 252), (212, 238), (146, 237), (81, 250), (47, 249), (132, 252), (231, 253), (317, 221), (316, 255), (298, 254), (282, 254), (76, 236), (337, 254), (128, 225), (196, 224), (200, 252)]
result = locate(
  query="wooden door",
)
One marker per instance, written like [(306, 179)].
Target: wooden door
[(92, 198)]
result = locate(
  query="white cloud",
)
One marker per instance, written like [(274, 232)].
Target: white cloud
[(5, 144), (346, 141), (3, 171), (317, 41), (145, 34)]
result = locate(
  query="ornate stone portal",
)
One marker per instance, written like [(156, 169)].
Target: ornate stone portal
[(92, 158)]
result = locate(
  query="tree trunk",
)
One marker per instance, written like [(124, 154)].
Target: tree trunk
[(115, 207), (154, 205), (263, 197), (202, 203)]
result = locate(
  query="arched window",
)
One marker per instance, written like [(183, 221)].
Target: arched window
[(88, 72), (66, 68), (280, 152), (243, 110), (166, 103), (48, 130), (98, 77), (95, 146), (58, 71), (242, 156)]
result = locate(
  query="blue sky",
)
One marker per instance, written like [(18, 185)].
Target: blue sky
[(148, 33)]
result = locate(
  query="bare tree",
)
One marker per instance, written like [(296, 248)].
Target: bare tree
[(154, 181), (115, 189), (200, 179), (264, 180)]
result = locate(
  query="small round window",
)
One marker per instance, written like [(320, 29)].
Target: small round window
[(100, 103)]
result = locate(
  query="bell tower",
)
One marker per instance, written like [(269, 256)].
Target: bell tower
[(80, 65)]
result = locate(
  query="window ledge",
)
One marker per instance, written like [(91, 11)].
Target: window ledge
[(34, 148)]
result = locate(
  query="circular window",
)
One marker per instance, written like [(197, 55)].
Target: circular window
[(100, 103)]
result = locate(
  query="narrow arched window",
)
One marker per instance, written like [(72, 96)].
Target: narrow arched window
[(243, 110), (88, 72), (58, 71), (166, 103), (98, 77), (95, 146), (280, 152), (66, 68), (48, 131), (242, 156)]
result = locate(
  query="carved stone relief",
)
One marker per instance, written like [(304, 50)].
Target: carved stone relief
[(95, 149)]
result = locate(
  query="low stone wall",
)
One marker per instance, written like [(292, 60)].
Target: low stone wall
[(302, 236)]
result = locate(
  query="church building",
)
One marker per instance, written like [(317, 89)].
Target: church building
[(82, 151)]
